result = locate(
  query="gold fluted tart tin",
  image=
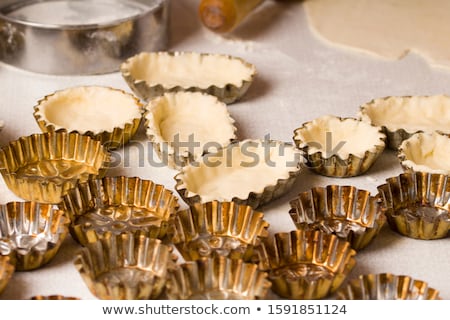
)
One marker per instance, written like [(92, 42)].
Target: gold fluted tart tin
[(6, 271), (346, 211), (125, 267), (339, 147), (304, 264), (175, 119), (217, 278), (402, 116), (107, 114), (386, 286), (151, 74), (42, 167), (250, 172), (218, 228), (119, 204), (31, 233), (426, 152), (53, 297), (417, 204)]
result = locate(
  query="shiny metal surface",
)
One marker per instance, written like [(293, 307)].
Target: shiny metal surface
[(85, 40)]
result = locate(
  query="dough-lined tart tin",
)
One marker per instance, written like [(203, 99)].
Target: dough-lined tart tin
[(183, 126), (339, 147), (104, 113), (250, 172), (402, 116), (386, 286), (31, 233), (125, 266), (346, 211), (43, 167), (217, 278), (151, 74), (218, 228), (417, 204), (117, 205), (6, 271), (426, 152), (304, 264)]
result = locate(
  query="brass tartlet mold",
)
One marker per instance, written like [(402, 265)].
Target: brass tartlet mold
[(345, 211), (395, 136), (426, 152), (6, 271), (218, 228), (386, 286), (42, 167), (171, 152), (227, 93), (307, 264), (31, 233), (112, 138), (217, 278), (255, 198), (417, 204), (333, 165), (125, 267), (117, 205)]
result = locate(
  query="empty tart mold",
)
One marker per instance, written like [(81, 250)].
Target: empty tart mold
[(339, 147), (110, 115), (125, 267), (401, 117), (251, 172), (42, 167), (304, 264), (151, 74), (417, 204), (217, 278), (426, 152), (218, 228), (386, 286), (119, 204), (349, 213), (31, 233), (184, 125), (6, 271)]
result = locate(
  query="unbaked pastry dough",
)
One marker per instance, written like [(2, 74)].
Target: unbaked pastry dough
[(389, 28)]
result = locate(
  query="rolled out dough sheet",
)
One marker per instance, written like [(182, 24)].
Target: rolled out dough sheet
[(387, 28)]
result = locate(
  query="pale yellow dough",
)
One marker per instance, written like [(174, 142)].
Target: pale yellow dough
[(388, 28)]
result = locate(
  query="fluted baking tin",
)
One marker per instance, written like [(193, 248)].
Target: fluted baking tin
[(80, 36), (31, 233), (119, 204), (386, 286), (218, 228), (350, 213)]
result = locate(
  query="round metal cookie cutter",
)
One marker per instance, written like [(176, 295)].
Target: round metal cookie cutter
[(80, 37)]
